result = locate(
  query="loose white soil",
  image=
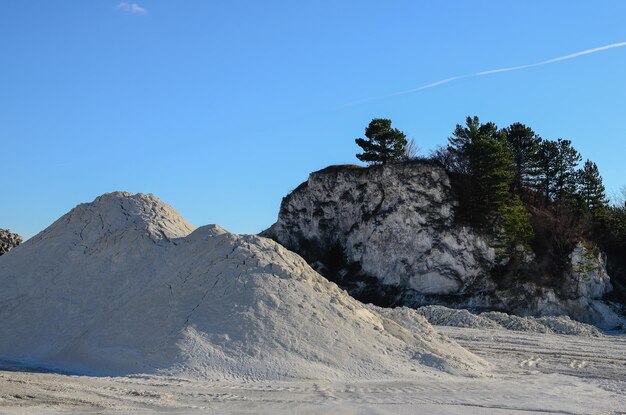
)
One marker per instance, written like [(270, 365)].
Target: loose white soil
[(125, 286), (443, 316), (533, 373)]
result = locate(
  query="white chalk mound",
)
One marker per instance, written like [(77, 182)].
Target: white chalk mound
[(125, 285), (443, 316)]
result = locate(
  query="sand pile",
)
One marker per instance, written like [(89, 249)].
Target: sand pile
[(443, 316), (125, 285)]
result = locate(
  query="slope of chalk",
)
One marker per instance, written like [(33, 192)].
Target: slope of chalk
[(443, 316), (125, 285)]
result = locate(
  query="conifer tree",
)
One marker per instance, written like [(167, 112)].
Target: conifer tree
[(515, 225), (544, 181), (482, 152), (462, 139), (556, 169), (383, 144), (524, 144), (565, 169), (490, 161), (591, 188)]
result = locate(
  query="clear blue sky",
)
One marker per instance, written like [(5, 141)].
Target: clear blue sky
[(222, 107)]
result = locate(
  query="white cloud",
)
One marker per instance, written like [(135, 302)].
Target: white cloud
[(132, 8), (488, 72)]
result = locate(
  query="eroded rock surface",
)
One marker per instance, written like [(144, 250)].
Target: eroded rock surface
[(389, 236), (394, 223), (8, 240)]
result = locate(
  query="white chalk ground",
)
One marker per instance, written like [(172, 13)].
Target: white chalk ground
[(125, 286), (536, 373)]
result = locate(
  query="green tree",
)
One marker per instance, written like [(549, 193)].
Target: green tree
[(544, 181), (556, 169), (490, 161), (483, 153), (617, 228), (383, 144), (610, 233), (463, 138), (480, 153), (524, 144), (515, 227), (591, 188), (565, 169)]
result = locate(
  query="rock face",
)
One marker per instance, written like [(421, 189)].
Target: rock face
[(394, 223), (588, 277), (388, 235), (8, 240), (125, 285), (579, 296)]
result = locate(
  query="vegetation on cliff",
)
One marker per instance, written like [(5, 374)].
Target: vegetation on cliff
[(531, 196), (382, 144)]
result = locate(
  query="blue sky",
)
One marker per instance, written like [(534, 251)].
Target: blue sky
[(222, 107)]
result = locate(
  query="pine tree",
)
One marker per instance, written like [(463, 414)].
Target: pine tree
[(482, 153), (524, 144), (565, 169), (383, 144), (544, 180), (490, 161), (591, 188), (463, 137), (556, 169), (515, 225)]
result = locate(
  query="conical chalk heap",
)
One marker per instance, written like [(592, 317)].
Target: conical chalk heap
[(125, 285)]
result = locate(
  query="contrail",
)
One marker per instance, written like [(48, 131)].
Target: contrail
[(488, 72)]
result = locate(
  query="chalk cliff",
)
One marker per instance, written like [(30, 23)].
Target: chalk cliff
[(388, 235)]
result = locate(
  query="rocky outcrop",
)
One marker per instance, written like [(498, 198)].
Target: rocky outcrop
[(588, 276), (579, 296), (394, 223), (389, 236), (8, 241)]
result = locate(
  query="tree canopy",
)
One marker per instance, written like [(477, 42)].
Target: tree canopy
[(383, 144), (522, 190), (524, 144), (556, 169), (591, 188), (464, 137)]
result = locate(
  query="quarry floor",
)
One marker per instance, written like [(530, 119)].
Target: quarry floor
[(530, 373)]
